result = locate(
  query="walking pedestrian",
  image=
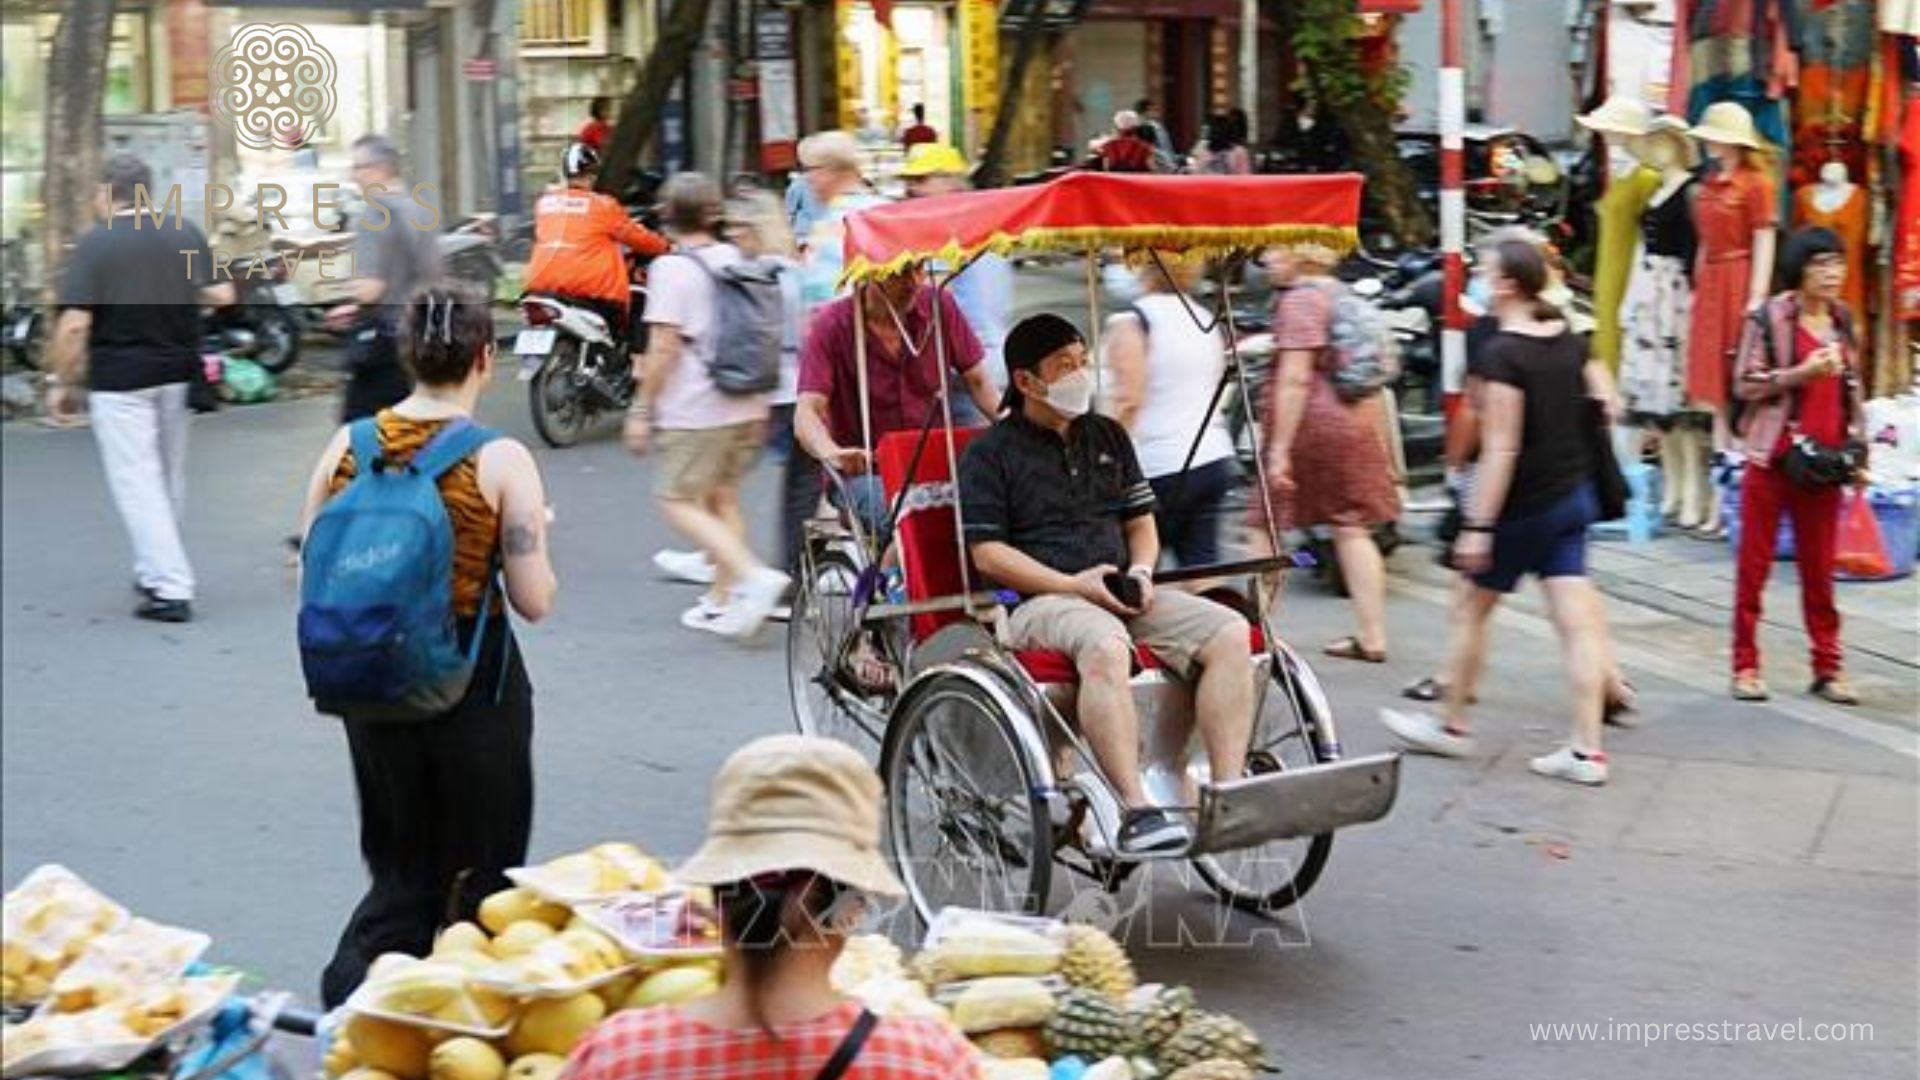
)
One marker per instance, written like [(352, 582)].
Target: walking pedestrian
[(919, 132), (395, 251), (830, 161), (1329, 462), (1532, 503), (706, 437), (1166, 364), (1798, 369), (791, 857), (446, 803), (129, 302)]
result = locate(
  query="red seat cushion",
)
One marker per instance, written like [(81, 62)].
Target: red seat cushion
[(1048, 667)]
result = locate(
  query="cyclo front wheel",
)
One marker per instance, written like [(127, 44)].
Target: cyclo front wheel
[(819, 634), (1273, 876), (966, 823)]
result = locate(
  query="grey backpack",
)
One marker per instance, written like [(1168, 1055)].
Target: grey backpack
[(749, 320), (1366, 356)]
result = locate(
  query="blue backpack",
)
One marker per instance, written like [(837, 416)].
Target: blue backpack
[(378, 640)]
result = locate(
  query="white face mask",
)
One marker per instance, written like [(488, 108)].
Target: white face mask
[(1072, 394)]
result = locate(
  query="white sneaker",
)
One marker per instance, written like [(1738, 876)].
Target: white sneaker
[(704, 615), (1562, 765), (752, 600), (1426, 733), (691, 567)]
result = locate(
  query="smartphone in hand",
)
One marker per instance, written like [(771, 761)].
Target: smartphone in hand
[(1124, 588)]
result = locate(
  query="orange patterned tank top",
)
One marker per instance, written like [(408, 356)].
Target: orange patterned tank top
[(476, 525)]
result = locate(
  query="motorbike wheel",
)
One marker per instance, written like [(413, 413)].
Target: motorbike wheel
[(557, 400), (279, 330)]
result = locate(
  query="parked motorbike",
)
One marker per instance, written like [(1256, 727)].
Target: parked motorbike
[(470, 251), (23, 321), (264, 323)]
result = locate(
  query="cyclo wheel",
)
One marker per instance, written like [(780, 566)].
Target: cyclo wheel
[(1273, 876), (966, 825), (821, 623)]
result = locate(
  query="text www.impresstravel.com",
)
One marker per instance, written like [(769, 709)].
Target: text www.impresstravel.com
[(1646, 1033)]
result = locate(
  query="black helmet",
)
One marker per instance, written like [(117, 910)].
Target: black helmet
[(580, 159)]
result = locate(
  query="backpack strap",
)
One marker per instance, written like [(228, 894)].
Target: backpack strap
[(364, 439), (850, 1047), (451, 445)]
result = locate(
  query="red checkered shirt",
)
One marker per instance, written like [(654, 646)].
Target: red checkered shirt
[(661, 1044)]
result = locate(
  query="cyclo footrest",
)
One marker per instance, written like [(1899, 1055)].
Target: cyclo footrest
[(1297, 802)]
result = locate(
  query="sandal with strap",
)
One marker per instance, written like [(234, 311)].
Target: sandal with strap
[(1748, 687), (1834, 690), (1349, 648)]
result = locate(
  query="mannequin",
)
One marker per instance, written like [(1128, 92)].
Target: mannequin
[(1630, 185), (1837, 203), (1734, 217), (1655, 323)]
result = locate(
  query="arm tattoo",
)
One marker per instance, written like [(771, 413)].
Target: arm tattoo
[(521, 538)]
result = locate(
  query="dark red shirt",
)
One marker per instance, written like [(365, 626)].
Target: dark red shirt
[(594, 133), (902, 388), (1822, 401), (1127, 153), (917, 134)]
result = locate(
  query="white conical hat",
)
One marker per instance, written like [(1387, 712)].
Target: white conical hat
[(1618, 116), (1674, 130), (1730, 123)]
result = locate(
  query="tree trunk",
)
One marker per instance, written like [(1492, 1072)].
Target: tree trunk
[(640, 112), (993, 171), (76, 85), (1366, 122)]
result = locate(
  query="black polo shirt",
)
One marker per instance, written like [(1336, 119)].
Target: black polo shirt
[(1063, 503)]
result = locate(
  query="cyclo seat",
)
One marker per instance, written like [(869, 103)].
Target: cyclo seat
[(929, 548)]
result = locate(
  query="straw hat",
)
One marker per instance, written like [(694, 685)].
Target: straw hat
[(1729, 123), (792, 802), (1674, 131), (934, 159), (1618, 116)]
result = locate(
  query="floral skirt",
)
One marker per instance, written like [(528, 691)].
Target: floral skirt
[(1654, 321)]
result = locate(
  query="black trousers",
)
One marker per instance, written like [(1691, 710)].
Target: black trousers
[(799, 489), (1187, 511), (446, 806), (375, 378)]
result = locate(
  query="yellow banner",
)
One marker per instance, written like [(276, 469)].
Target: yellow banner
[(846, 55), (980, 59)]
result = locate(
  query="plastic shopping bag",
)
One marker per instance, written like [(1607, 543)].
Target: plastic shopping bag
[(1859, 550)]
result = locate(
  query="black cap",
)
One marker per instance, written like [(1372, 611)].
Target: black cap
[(1031, 341)]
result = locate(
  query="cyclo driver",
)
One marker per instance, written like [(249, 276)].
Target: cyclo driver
[(578, 233)]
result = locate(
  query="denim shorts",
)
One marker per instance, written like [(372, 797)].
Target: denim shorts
[(1549, 543)]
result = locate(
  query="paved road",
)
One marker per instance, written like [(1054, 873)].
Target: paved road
[(1746, 866)]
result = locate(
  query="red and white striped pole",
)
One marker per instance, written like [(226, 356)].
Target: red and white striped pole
[(1453, 204)]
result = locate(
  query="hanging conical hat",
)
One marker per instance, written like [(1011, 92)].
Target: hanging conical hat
[(1618, 116)]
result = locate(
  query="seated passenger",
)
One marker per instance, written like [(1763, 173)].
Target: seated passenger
[(1053, 503)]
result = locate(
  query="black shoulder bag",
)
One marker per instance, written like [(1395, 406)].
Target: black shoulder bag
[(1807, 463), (850, 1047)]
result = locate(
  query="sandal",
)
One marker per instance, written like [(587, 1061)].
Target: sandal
[(868, 670), (1349, 648), (1431, 688), (1748, 687), (1834, 689)]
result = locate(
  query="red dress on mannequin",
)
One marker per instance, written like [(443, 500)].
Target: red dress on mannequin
[(1727, 210)]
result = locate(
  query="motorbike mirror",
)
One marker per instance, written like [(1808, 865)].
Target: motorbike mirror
[(1368, 288)]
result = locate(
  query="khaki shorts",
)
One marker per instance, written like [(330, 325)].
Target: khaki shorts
[(1176, 628), (693, 463)]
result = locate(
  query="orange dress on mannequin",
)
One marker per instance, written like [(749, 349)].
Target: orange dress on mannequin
[(1727, 210), (1849, 223)]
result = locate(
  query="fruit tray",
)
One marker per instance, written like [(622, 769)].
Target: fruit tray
[(51, 917), (951, 919), (648, 925), (473, 1023), (208, 992), (948, 993), (525, 991), (550, 887)]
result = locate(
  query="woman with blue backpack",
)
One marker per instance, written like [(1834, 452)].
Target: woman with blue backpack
[(421, 529)]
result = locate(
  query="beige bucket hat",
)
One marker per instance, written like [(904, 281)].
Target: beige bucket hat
[(1618, 116), (1730, 123), (1675, 132), (794, 802)]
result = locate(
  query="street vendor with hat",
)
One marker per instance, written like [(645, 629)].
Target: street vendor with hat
[(1054, 505), (792, 855), (984, 288)]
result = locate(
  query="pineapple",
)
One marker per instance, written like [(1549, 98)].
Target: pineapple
[(1214, 1069), (1158, 1019), (1094, 961), (1087, 1025), (1210, 1035)]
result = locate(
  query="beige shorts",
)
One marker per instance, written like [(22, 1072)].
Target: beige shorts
[(1176, 628), (693, 463)]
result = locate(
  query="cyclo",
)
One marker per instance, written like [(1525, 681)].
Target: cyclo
[(988, 782)]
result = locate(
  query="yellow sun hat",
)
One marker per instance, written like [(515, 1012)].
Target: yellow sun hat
[(934, 159)]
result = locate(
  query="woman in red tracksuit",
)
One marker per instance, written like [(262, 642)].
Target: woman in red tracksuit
[(1798, 372)]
